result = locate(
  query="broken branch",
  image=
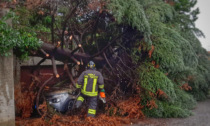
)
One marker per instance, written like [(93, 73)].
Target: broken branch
[(107, 46), (54, 67), (107, 61), (66, 68), (46, 54), (79, 46)]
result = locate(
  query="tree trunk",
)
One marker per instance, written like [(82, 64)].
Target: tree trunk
[(7, 109), (66, 54)]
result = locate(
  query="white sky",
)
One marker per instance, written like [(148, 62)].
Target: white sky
[(203, 22)]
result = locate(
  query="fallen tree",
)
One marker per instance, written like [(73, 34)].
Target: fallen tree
[(147, 50)]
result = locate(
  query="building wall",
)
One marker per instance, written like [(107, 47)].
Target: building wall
[(7, 109), (43, 72)]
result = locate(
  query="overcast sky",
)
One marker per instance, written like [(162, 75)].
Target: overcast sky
[(203, 22)]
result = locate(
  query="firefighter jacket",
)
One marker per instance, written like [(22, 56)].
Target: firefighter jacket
[(89, 82)]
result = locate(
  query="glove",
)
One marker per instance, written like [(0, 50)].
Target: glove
[(102, 95)]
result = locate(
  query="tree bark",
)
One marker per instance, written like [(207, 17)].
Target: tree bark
[(69, 55)]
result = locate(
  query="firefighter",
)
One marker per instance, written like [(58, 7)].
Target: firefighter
[(89, 83)]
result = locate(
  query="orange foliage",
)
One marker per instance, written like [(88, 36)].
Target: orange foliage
[(161, 94), (41, 12), (24, 99), (157, 66), (190, 78), (43, 108), (151, 104), (186, 87), (171, 2), (97, 5), (31, 4), (55, 118), (100, 120), (30, 122), (153, 63), (151, 51), (152, 94), (130, 108)]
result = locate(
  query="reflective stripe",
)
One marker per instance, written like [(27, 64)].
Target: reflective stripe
[(89, 93), (80, 98), (92, 76), (78, 86), (101, 86), (92, 111), (94, 85), (93, 92), (85, 83)]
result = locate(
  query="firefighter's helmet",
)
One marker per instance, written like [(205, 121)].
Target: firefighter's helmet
[(91, 65)]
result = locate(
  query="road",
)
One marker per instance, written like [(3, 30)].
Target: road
[(201, 117)]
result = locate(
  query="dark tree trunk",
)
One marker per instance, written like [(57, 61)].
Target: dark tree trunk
[(66, 54)]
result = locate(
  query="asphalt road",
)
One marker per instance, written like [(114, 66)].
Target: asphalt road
[(201, 117)]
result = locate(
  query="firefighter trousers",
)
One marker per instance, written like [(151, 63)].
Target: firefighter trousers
[(91, 101)]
